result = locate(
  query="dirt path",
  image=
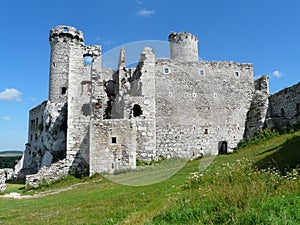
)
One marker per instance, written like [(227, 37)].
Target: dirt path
[(15, 195)]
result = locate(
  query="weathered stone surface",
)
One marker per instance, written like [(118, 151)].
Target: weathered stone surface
[(256, 116), (2, 183), (48, 175), (102, 120), (7, 173), (284, 108)]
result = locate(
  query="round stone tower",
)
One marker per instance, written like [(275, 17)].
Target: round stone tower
[(61, 38), (183, 46)]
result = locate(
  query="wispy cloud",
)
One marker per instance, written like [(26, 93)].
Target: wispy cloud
[(104, 42), (277, 73), (145, 13), (7, 118), (138, 2), (33, 99), (11, 94)]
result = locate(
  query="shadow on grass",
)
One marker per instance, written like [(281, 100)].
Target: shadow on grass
[(286, 158)]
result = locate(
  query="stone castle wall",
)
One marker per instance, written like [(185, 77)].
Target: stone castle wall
[(207, 100), (115, 148), (284, 108)]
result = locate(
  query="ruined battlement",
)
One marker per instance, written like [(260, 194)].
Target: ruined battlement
[(63, 32), (177, 37), (183, 46)]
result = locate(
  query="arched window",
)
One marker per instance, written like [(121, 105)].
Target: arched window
[(137, 110)]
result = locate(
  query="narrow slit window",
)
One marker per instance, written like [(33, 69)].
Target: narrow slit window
[(206, 131), (237, 74)]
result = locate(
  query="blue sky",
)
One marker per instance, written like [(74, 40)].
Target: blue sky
[(263, 32)]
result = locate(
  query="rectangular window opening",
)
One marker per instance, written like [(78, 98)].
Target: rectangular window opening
[(113, 140), (166, 70), (201, 72), (237, 74)]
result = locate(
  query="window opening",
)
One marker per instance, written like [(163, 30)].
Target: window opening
[(282, 112), (113, 140), (206, 131), (137, 110), (237, 74), (87, 60), (201, 72), (63, 90), (166, 70)]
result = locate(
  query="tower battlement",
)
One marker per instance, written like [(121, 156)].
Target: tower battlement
[(183, 46), (176, 37), (61, 32)]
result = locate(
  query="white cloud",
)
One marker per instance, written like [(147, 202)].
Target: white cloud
[(10, 94), (145, 13), (277, 73), (7, 118)]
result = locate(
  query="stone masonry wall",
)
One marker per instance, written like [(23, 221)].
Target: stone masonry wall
[(113, 145), (284, 108), (207, 101), (79, 105)]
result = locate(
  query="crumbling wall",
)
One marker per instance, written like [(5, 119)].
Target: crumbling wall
[(256, 115), (140, 105), (284, 108), (48, 175), (46, 138)]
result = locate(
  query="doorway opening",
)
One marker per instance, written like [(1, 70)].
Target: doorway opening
[(223, 147)]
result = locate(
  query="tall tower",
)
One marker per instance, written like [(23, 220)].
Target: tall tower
[(183, 46), (61, 38)]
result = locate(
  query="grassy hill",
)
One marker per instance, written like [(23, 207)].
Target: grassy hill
[(235, 189)]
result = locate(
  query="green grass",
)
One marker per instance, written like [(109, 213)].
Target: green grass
[(233, 190)]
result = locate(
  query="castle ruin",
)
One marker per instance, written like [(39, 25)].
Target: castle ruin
[(101, 120)]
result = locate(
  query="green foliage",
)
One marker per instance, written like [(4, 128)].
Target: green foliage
[(233, 190), (258, 137), (148, 163), (9, 161)]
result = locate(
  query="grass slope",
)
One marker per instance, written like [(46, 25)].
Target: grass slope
[(231, 191)]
